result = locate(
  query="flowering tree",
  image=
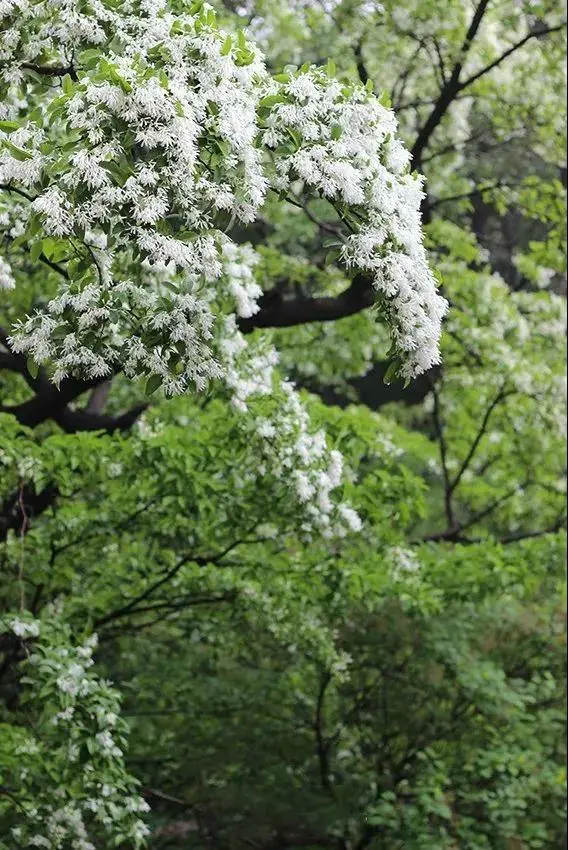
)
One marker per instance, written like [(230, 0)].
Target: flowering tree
[(193, 233)]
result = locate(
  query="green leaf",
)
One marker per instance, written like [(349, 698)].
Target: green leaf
[(227, 44), (48, 246), (271, 100), (391, 373), (153, 383), (18, 153), (89, 58), (35, 251), (67, 85), (9, 126), (32, 367)]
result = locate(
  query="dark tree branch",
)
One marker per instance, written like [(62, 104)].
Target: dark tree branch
[(9, 362), (73, 421), (361, 67), (449, 90), (277, 312), (374, 393), (399, 86), (455, 534), (501, 396), (50, 401), (534, 33), (454, 85), (528, 535), (133, 604), (462, 196), (322, 746), (27, 504), (453, 146), (18, 363), (441, 63), (47, 71), (7, 187), (127, 609)]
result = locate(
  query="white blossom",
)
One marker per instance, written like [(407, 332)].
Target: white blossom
[(6, 276), (25, 628)]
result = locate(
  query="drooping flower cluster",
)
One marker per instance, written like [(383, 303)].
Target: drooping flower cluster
[(79, 737), (288, 446), (344, 146)]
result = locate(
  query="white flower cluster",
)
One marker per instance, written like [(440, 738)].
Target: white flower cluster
[(148, 333), (403, 562), (6, 276), (238, 268), (25, 628), (347, 150), (78, 713), (162, 144)]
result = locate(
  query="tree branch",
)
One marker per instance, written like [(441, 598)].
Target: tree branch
[(47, 71), (455, 534), (27, 502), (501, 396), (360, 63), (449, 90), (200, 560), (479, 190), (73, 421), (277, 312), (321, 744), (98, 398), (534, 33)]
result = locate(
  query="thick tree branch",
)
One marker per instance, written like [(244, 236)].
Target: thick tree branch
[(73, 421), (360, 63), (99, 398), (278, 312), (48, 71), (50, 401)]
